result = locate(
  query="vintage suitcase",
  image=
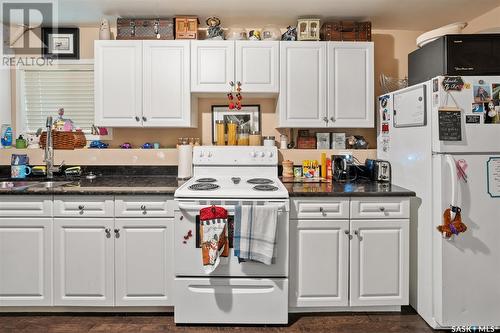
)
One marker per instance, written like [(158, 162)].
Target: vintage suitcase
[(160, 28), (346, 31)]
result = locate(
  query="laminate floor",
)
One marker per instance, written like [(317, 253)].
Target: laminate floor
[(406, 321)]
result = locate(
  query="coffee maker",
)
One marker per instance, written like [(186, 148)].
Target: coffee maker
[(341, 167)]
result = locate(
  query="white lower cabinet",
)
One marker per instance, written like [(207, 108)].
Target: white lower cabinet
[(143, 261), (319, 273), (25, 261), (84, 261), (379, 262), (348, 262)]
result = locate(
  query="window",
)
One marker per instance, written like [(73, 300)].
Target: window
[(44, 90)]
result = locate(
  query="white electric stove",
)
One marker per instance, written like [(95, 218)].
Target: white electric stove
[(235, 293), (234, 172)]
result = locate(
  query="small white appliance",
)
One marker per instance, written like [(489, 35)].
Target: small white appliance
[(443, 142), (235, 293)]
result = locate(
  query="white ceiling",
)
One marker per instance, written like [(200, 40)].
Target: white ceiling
[(384, 14)]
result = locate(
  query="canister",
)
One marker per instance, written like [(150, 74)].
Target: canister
[(269, 141)]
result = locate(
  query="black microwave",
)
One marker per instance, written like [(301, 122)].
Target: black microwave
[(472, 54)]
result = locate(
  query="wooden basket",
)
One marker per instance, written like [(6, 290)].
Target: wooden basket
[(64, 140)]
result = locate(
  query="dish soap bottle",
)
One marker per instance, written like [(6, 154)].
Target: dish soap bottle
[(6, 138)]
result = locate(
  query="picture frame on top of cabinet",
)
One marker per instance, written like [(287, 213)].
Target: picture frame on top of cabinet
[(61, 43), (248, 116)]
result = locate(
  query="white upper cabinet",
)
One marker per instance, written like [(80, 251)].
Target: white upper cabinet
[(257, 65), (117, 83), (212, 65), (350, 84), (143, 84), (165, 89), (302, 100)]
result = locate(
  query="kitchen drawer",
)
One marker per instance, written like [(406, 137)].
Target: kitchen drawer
[(144, 206), (26, 206), (320, 208), (369, 208), (84, 206), (231, 301)]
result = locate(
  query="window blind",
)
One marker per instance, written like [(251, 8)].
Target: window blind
[(47, 90)]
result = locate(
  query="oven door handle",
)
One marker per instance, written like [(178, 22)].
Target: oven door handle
[(191, 207)]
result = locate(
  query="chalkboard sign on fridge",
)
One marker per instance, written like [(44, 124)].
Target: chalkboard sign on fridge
[(450, 124)]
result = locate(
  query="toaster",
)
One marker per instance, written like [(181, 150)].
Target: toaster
[(382, 171), (378, 170)]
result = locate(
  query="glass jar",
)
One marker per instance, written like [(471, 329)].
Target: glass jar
[(220, 130), (243, 137), (269, 141), (255, 139), (232, 129)]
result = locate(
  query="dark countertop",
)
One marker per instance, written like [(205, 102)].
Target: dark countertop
[(362, 188), (166, 185), (108, 185)]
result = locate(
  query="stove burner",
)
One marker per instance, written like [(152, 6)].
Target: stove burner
[(265, 188), (206, 180), (260, 181), (203, 187)]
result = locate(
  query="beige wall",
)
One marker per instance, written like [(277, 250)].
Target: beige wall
[(489, 21), (391, 50)]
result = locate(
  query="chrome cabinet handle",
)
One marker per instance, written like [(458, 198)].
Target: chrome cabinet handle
[(144, 211), (320, 209), (356, 232), (81, 207), (332, 119), (108, 232), (117, 233), (325, 119), (381, 209), (137, 118), (144, 118), (346, 232)]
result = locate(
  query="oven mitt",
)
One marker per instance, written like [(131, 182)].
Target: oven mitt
[(213, 234)]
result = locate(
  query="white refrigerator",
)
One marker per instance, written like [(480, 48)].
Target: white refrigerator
[(433, 137)]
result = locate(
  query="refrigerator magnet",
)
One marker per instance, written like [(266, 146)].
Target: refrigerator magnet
[(493, 176), (495, 94), (472, 119), (450, 124), (452, 83)]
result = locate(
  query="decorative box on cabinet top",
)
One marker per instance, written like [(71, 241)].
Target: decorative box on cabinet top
[(160, 28)]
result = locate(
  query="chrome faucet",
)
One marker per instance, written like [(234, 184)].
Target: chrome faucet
[(49, 151)]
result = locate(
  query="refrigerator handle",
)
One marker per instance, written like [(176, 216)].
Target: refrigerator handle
[(454, 179)]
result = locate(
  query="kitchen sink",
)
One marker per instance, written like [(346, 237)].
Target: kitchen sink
[(50, 184), (15, 185)]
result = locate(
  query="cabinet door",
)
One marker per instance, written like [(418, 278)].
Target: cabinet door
[(379, 262), (302, 100), (166, 89), (350, 84), (118, 83), (25, 261), (212, 65), (144, 262), (319, 263), (257, 65), (84, 262)]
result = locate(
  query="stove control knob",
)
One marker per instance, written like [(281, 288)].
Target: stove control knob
[(210, 154), (270, 154), (262, 154), (202, 153), (253, 154)]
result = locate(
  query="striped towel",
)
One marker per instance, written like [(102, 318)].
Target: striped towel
[(255, 233)]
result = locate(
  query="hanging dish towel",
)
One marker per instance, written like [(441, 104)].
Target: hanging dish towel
[(213, 235), (255, 233)]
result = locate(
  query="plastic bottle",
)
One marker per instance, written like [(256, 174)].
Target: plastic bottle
[(7, 136)]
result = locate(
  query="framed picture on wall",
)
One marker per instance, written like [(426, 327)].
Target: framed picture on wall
[(61, 43), (248, 117)]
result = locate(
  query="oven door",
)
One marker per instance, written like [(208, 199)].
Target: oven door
[(188, 257)]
